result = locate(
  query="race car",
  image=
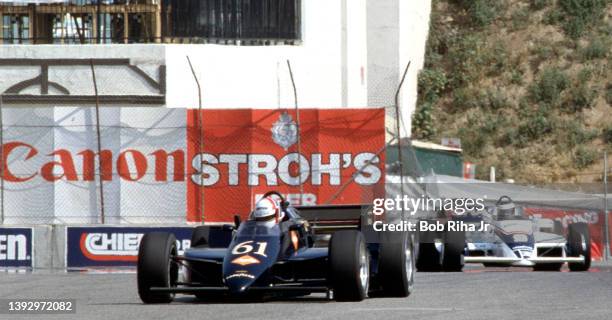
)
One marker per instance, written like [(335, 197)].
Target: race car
[(280, 250), (516, 240)]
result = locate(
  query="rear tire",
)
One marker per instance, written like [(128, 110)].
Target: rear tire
[(579, 243), (155, 266), (396, 265), (349, 266), (428, 259), (454, 245)]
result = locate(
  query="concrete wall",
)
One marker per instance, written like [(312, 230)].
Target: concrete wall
[(112, 80), (327, 65), (397, 33)]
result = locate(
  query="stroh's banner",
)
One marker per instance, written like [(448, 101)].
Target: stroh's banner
[(337, 158), (155, 168)]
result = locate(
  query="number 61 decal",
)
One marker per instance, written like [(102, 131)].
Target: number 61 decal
[(247, 247)]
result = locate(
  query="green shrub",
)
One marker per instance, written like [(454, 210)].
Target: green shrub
[(535, 127), (481, 12), (572, 134), (496, 100), (431, 83), (486, 99), (553, 17), (520, 18), (496, 58), (423, 122), (580, 15), (585, 74), (492, 124), (472, 141), (607, 135), (549, 86), (539, 4), (465, 98), (584, 157), (465, 55), (516, 76), (580, 97), (543, 52), (598, 48)]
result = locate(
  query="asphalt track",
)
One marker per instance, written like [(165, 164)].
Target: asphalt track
[(475, 294)]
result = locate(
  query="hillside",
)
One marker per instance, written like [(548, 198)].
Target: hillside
[(525, 84)]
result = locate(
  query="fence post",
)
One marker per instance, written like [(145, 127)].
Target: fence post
[(605, 207), (299, 129), (399, 134), (95, 83), (2, 165), (200, 137)]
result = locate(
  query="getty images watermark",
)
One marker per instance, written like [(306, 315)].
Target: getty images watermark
[(411, 206)]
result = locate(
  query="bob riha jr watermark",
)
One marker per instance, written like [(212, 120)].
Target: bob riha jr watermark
[(411, 206)]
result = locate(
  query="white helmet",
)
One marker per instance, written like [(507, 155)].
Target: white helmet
[(266, 209)]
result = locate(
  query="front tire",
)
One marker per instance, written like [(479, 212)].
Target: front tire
[(155, 266), (579, 243), (397, 265), (349, 266)]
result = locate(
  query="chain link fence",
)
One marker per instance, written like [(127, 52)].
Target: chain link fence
[(81, 147)]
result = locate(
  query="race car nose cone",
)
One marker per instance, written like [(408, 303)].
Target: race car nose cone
[(239, 282)]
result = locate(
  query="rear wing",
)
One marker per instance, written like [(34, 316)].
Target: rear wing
[(330, 218)]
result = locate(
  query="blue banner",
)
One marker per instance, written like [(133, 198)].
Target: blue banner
[(16, 247), (113, 246)]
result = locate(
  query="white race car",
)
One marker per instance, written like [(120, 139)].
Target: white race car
[(513, 239)]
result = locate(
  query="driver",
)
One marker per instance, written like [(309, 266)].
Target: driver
[(506, 209), (268, 209)]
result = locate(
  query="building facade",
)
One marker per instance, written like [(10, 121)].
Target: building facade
[(343, 53)]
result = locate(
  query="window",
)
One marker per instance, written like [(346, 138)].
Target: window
[(247, 21), (16, 29)]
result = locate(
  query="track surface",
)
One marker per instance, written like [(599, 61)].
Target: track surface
[(475, 294)]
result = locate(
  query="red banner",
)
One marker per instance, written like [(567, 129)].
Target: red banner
[(337, 158)]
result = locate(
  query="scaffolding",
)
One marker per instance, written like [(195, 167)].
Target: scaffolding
[(256, 22)]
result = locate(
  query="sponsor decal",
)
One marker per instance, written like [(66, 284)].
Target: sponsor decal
[(240, 275), (16, 247), (245, 260), (285, 131), (131, 165), (112, 246)]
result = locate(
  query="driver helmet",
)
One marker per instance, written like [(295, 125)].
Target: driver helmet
[(506, 208), (266, 209)]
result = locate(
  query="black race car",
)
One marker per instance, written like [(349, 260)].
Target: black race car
[(314, 249)]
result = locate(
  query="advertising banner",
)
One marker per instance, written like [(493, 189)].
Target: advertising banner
[(155, 165), (113, 246), (336, 157), (16, 247)]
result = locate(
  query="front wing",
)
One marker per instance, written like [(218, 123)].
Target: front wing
[(505, 256)]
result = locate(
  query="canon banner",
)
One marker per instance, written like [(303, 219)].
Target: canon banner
[(334, 156)]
